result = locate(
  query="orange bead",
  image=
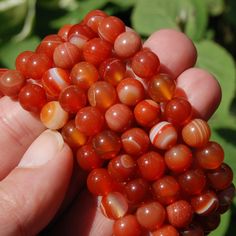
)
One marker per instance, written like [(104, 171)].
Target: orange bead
[(166, 230)]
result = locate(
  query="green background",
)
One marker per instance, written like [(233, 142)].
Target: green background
[(211, 24)]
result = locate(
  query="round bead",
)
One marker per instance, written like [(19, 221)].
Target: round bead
[(114, 205), (63, 32), (166, 230), (84, 74), (151, 165), (110, 27), (102, 95), (22, 61), (209, 222), (147, 113), (32, 97), (192, 230), (66, 55), (151, 215), (53, 116), (106, 144), (179, 213), (127, 44), (119, 117), (161, 87), (89, 120), (163, 135), (54, 81), (135, 141), (72, 99)]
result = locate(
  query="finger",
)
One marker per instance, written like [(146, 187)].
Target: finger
[(18, 130), (32, 193), (174, 49)]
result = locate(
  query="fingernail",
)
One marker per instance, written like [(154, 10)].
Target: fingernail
[(42, 150)]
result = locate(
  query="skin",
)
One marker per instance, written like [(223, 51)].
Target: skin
[(36, 181)]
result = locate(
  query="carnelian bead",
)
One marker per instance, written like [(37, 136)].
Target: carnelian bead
[(166, 230), (63, 31), (196, 133), (178, 111), (210, 156), (66, 55), (32, 97), (87, 158), (102, 95), (163, 135), (119, 117), (179, 213), (97, 50), (135, 141), (53, 116), (112, 70), (2, 71), (21, 62), (114, 205), (11, 82), (99, 182), (192, 181), (127, 225), (127, 44), (54, 81), (192, 230), (151, 215), (72, 98), (151, 165), (221, 177), (106, 144), (166, 190), (147, 113), (122, 167), (130, 91), (84, 74), (72, 136), (89, 120), (178, 158), (205, 203), (161, 87), (110, 27)]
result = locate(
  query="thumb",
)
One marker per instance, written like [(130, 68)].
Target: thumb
[(32, 193)]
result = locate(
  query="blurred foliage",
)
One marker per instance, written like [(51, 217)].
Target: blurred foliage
[(211, 24)]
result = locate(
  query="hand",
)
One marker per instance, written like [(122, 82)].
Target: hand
[(36, 165)]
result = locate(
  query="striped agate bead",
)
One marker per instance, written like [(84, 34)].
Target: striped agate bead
[(163, 135)]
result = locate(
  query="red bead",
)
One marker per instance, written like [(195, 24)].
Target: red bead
[(87, 158), (151, 215), (163, 135), (99, 182), (196, 133), (178, 158), (106, 144), (21, 62), (192, 181), (151, 166), (97, 50), (147, 113), (193, 230), (110, 27), (127, 44), (114, 205), (32, 97), (89, 120), (54, 81), (112, 70), (84, 74), (179, 213), (11, 82), (102, 95), (145, 63), (210, 156), (178, 111), (161, 87), (166, 230), (66, 55), (2, 71), (127, 225), (209, 222), (135, 141), (119, 117), (130, 91), (166, 190), (63, 32), (72, 99)]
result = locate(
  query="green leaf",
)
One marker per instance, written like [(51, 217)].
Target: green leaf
[(58, 4), (124, 4), (215, 7)]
